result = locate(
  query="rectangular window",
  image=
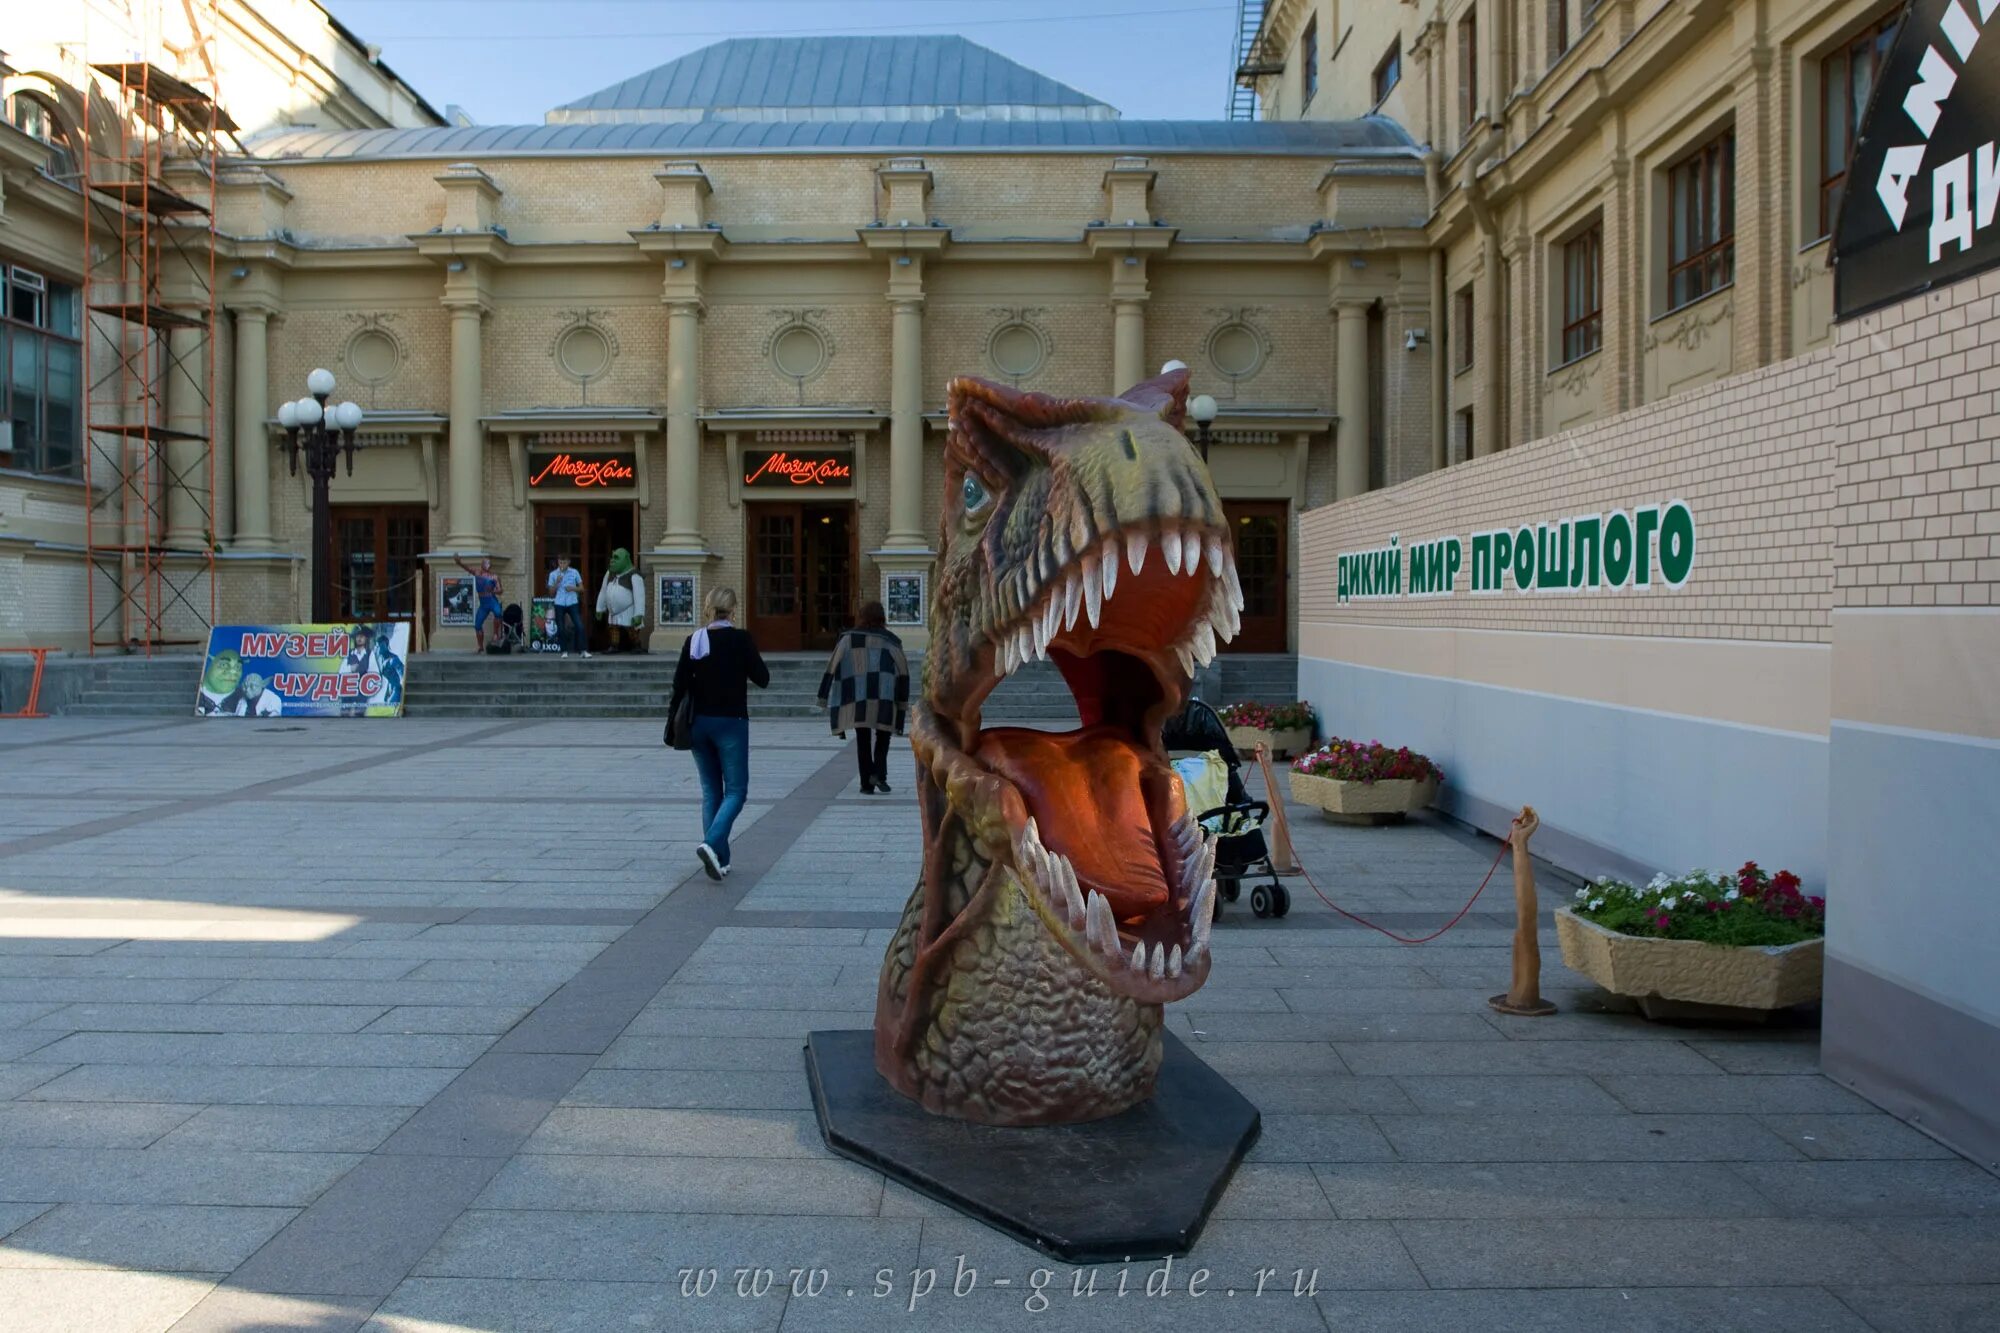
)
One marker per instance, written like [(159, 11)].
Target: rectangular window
[(1462, 333), (1558, 29), (1846, 79), (1583, 294), (1468, 68), (1390, 72), (1701, 221), (41, 382), (1309, 60), (1464, 434)]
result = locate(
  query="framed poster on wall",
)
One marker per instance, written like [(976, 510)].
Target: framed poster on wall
[(677, 599), (457, 600), (903, 598)]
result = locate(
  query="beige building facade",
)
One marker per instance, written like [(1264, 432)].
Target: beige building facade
[(1629, 199), (716, 331)]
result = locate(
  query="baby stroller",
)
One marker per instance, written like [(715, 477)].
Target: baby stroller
[(510, 634), (1210, 772)]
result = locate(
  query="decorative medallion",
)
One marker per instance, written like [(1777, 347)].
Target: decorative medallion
[(373, 352), (1236, 347), (1019, 346), (584, 348), (800, 347)]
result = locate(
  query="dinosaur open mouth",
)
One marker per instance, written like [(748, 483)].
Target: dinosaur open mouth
[(1117, 869)]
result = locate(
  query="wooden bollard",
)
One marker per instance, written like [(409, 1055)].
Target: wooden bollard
[(1524, 998)]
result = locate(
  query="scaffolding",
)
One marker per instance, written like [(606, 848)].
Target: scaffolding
[(149, 356)]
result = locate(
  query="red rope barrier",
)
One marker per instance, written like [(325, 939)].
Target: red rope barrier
[(1422, 939)]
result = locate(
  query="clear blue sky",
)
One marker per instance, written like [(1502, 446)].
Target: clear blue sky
[(508, 61)]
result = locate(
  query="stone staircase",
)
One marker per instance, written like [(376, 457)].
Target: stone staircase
[(115, 686), (637, 686), (470, 686)]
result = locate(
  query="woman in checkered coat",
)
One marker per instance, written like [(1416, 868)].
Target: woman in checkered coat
[(866, 690)]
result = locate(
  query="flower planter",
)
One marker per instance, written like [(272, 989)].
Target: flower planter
[(1362, 802), (1283, 744), (1761, 977)]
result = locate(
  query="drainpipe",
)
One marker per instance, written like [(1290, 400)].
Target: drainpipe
[(1487, 439), (1440, 326)]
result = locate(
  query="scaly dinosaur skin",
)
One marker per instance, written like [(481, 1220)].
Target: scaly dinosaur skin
[(1066, 895)]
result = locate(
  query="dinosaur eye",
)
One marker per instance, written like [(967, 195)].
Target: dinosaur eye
[(974, 495)]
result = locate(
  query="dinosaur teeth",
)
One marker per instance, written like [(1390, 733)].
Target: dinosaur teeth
[(1052, 615), (1174, 962), (1202, 913), (1137, 962), (1135, 550), (1093, 590), (1100, 929), (1233, 584), (1072, 601), (1187, 660), (1204, 643), (1156, 965), (1107, 565), (1170, 549), (1072, 892), (1213, 548)]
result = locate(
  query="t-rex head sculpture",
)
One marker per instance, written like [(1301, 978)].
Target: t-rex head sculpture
[(1062, 869)]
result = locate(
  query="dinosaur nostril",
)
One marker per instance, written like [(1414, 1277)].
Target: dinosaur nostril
[(1131, 445)]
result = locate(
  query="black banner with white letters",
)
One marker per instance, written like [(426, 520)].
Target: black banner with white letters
[(1918, 208)]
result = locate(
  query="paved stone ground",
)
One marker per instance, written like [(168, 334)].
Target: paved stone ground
[(426, 1026)]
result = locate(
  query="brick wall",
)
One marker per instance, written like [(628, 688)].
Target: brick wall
[(1752, 457), (1917, 510)]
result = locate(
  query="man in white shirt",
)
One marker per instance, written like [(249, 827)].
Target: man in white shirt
[(563, 585)]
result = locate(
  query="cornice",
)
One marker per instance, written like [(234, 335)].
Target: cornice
[(1129, 240), (904, 240)]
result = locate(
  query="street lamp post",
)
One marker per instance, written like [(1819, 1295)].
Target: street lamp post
[(328, 434), (1202, 409)]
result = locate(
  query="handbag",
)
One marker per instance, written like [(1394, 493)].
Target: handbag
[(680, 724)]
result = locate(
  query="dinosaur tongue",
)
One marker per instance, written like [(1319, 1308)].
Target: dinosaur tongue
[(1089, 793)]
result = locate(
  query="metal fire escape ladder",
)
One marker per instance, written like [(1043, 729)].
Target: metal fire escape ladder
[(1251, 61)]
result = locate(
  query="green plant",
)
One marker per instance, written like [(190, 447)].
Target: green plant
[(1747, 908), (1353, 761), (1269, 717)]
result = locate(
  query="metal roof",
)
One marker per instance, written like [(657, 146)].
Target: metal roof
[(835, 78), (1369, 136)]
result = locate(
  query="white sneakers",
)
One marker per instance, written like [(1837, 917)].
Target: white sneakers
[(710, 862)]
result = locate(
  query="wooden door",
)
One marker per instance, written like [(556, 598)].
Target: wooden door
[(372, 561), (1262, 529), (828, 532), (587, 534), (776, 595)]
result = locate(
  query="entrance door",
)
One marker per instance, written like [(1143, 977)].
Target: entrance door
[(371, 565), (587, 534), (1262, 529), (802, 563)]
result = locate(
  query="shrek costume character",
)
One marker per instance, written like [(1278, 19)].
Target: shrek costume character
[(621, 603), (218, 683)]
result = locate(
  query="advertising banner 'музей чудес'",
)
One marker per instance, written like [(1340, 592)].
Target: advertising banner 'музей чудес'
[(304, 671)]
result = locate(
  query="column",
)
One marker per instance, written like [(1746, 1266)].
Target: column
[(1489, 432), (464, 525), (1128, 343), (253, 443), (188, 497), (906, 422), (683, 426), (1350, 469)]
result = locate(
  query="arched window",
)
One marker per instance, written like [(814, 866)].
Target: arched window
[(36, 113)]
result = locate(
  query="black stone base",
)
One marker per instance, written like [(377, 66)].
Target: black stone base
[(1134, 1186)]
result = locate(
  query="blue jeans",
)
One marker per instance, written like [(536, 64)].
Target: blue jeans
[(569, 621), (722, 757)]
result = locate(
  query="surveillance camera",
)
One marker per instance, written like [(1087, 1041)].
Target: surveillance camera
[(1412, 338)]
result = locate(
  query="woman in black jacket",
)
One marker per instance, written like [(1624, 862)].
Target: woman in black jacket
[(718, 664)]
